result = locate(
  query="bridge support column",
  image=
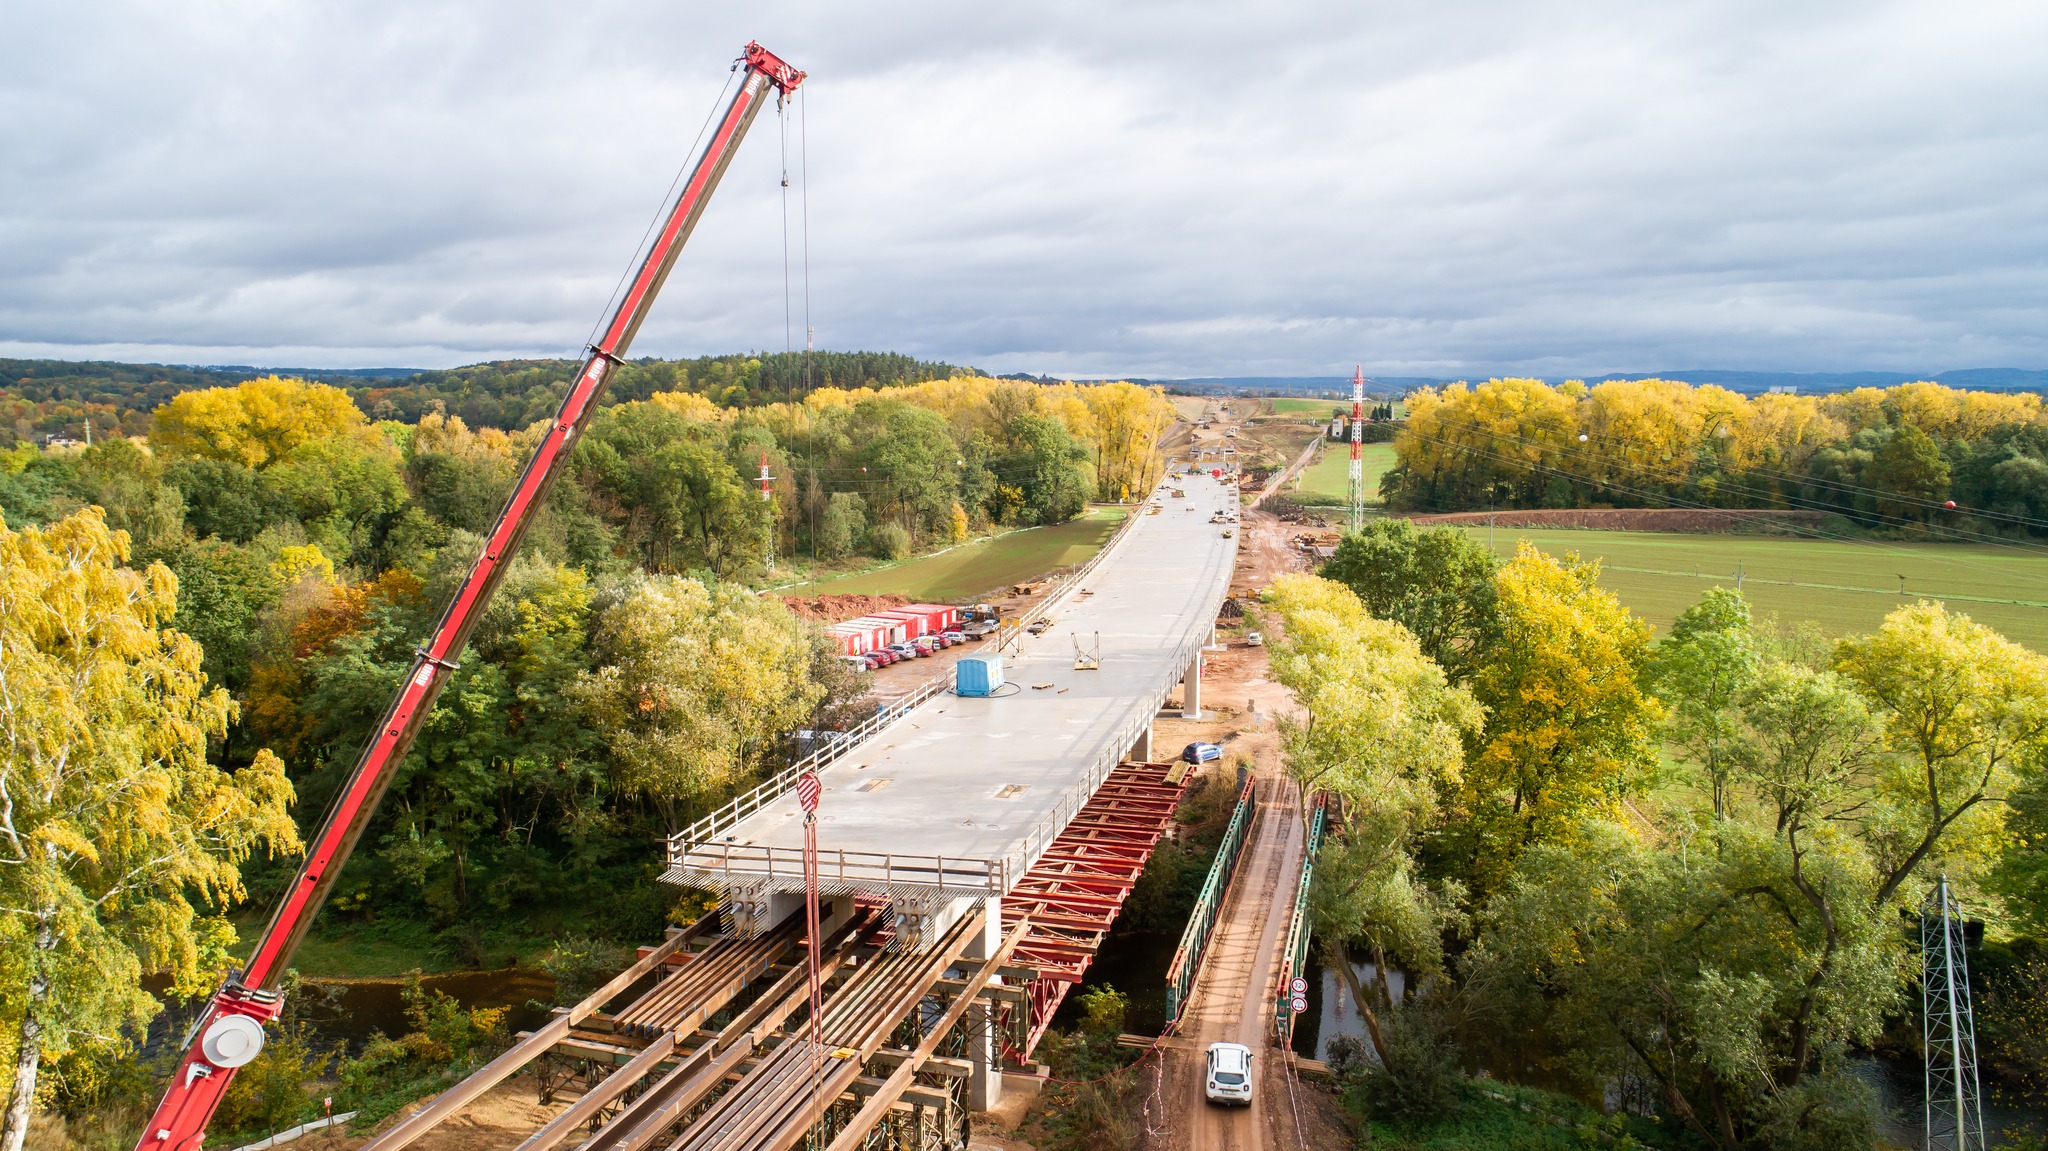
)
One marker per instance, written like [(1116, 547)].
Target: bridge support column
[(1141, 751), (1191, 689), (985, 1080), (834, 911)]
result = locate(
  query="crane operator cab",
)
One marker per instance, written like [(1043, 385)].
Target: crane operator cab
[(1230, 1073)]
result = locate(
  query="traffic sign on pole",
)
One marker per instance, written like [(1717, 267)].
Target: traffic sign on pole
[(1299, 1003), (1299, 986)]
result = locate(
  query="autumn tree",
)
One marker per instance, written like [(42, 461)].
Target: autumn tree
[(112, 822), (694, 685), (1383, 731), (1964, 709), (252, 423), (1570, 731)]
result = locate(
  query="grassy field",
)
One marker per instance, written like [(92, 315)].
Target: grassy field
[(984, 565), (1843, 586), (1321, 408), (1328, 480)]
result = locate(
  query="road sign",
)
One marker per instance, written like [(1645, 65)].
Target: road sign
[(1299, 986), (1300, 1004), (808, 790)]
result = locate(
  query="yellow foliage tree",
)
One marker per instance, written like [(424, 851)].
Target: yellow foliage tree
[(1570, 731), (112, 822), (252, 423)]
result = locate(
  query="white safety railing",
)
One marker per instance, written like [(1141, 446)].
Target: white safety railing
[(839, 869), (718, 822)]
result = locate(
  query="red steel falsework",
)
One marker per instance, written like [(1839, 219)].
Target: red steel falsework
[(230, 1033)]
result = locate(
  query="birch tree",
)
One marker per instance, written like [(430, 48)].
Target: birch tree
[(117, 836)]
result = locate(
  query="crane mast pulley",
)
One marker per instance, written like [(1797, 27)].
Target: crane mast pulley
[(229, 1034)]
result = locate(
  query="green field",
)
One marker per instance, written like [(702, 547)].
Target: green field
[(1290, 407), (1320, 408), (983, 565), (1328, 480), (1843, 586)]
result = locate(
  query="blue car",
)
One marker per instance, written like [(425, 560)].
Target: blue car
[(1201, 752)]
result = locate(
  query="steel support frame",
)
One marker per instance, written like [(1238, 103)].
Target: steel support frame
[(1072, 895)]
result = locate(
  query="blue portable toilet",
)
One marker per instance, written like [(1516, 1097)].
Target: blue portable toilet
[(978, 674)]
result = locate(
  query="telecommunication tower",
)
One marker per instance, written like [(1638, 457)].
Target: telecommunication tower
[(767, 495), (1948, 1032), (1357, 439)]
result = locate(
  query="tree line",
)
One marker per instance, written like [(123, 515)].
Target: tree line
[(204, 622), (78, 400), (1914, 455), (1681, 875)]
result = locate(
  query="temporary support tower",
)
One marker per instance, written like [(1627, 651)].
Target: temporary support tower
[(1948, 1032), (230, 1032)]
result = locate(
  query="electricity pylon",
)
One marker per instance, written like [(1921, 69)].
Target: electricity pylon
[(1948, 1032)]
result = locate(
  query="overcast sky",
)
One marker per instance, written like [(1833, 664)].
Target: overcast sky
[(1087, 187)]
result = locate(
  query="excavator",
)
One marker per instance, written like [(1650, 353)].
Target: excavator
[(230, 1032)]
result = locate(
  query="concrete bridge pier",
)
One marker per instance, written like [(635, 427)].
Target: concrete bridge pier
[(1141, 751), (1191, 689), (985, 1080)]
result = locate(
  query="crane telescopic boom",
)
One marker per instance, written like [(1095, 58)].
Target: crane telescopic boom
[(230, 1032)]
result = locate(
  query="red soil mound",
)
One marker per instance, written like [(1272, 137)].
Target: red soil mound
[(840, 608)]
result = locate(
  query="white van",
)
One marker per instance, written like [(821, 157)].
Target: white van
[(1230, 1073)]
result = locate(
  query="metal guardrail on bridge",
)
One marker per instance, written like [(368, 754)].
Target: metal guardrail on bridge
[(1187, 959), (707, 829), (1296, 952)]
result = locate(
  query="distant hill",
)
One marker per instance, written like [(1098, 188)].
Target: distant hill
[(1978, 379)]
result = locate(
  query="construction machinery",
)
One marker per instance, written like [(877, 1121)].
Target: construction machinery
[(230, 1032)]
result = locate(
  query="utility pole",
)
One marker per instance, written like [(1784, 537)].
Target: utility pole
[(1948, 1031), (1357, 440)]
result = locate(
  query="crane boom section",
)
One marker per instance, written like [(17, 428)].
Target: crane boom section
[(228, 1034)]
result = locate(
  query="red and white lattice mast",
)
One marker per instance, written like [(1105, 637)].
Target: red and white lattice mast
[(1357, 439), (767, 496)]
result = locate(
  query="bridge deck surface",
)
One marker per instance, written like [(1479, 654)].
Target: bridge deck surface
[(996, 779)]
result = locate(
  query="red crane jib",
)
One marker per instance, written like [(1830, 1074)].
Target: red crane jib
[(229, 1033)]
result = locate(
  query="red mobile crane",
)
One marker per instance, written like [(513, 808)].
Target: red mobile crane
[(230, 1032)]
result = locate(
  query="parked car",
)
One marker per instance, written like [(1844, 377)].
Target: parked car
[(1230, 1073), (904, 649), (856, 662), (977, 628), (953, 636), (1201, 752), (878, 659)]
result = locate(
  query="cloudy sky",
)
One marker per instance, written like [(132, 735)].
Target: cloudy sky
[(1082, 187)]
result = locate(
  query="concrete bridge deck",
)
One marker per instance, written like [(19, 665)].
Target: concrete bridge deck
[(961, 796)]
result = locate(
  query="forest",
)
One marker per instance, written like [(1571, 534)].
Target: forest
[(1681, 877), (81, 400), (1918, 457), (200, 623)]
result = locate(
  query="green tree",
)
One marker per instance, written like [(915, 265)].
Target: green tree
[(675, 492), (842, 525), (1701, 670), (1436, 582), (694, 687), (1385, 734), (113, 822), (1044, 461), (1910, 475)]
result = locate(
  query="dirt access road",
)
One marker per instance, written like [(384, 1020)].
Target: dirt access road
[(1233, 996)]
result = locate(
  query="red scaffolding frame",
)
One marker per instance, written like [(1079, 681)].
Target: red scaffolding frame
[(1074, 892)]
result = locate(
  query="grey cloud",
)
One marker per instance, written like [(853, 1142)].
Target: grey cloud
[(1146, 188)]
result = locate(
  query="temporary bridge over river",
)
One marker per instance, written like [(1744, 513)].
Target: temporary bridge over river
[(972, 854)]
